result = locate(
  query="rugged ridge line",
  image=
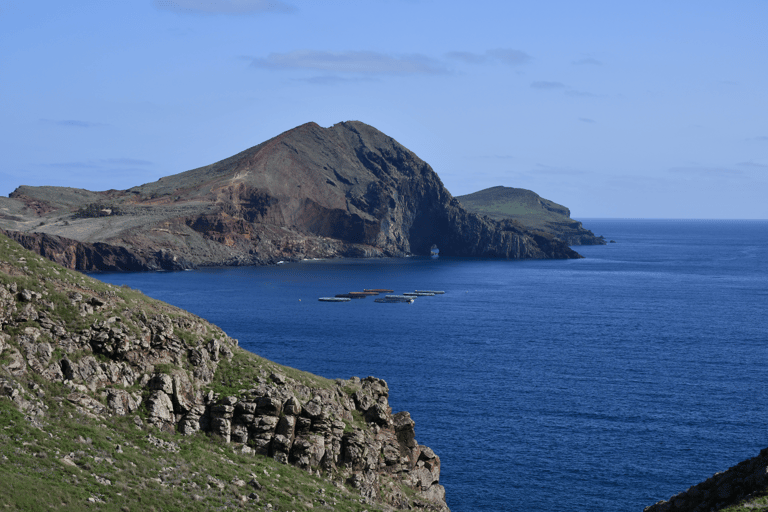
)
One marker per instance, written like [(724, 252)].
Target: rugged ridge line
[(311, 192), (70, 344), (530, 210), (743, 486)]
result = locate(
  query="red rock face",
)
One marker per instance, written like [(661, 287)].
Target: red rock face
[(346, 190)]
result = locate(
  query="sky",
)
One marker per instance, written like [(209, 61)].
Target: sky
[(631, 109)]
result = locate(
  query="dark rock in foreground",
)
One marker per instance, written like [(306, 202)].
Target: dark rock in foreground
[(311, 192), (744, 485)]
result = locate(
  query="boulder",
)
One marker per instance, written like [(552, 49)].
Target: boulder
[(121, 402), (221, 427), (194, 420), (308, 451), (184, 395), (160, 410), (292, 406), (286, 426), (269, 406)]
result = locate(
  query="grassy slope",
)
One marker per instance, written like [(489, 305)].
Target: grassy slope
[(759, 504), (522, 205), (67, 462)]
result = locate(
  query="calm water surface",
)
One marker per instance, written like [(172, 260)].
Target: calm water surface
[(602, 384)]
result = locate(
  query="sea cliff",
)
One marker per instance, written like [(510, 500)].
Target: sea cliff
[(110, 397), (530, 210)]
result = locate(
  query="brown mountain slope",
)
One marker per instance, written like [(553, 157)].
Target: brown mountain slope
[(347, 190), (530, 210)]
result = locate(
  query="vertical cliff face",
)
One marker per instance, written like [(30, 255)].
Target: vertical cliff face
[(311, 192)]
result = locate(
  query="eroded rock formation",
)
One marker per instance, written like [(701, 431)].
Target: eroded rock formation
[(118, 353)]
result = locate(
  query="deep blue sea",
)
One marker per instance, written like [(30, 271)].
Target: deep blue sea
[(601, 384)]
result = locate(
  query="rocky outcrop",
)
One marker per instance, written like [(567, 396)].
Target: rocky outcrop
[(117, 353), (530, 210), (311, 192), (95, 257), (740, 484)]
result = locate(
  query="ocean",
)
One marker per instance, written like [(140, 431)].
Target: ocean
[(601, 384)]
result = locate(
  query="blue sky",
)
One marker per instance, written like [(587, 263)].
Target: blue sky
[(615, 109)]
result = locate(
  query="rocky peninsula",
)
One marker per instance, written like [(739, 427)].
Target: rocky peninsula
[(344, 191), (532, 211), (110, 398)]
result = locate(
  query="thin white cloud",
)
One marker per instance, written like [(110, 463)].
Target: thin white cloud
[(111, 163), (467, 57), (223, 6), (753, 165), (544, 85), (72, 123), (509, 56), (493, 157), (580, 94), (125, 161), (334, 80), (588, 62), (556, 171), (506, 56), (71, 165), (705, 171), (368, 63)]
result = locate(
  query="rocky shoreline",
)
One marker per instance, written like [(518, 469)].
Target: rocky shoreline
[(107, 353)]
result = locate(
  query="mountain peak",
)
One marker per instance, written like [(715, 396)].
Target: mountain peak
[(309, 192)]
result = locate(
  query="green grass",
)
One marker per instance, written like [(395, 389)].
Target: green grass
[(754, 504), (34, 470), (517, 204), (245, 368), (166, 368), (34, 476)]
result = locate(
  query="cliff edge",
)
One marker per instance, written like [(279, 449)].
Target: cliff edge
[(741, 488), (530, 210), (109, 397)]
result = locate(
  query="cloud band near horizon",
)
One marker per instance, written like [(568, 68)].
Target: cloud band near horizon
[(357, 62), (223, 6)]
